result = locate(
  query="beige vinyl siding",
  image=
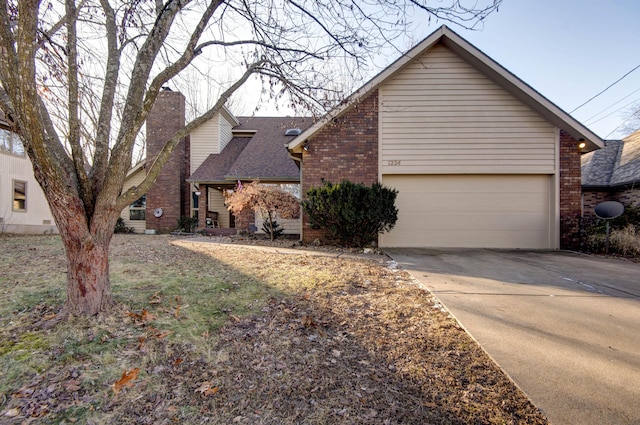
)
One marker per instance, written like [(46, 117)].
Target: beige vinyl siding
[(290, 226), (440, 115), (472, 211), (225, 132), (204, 141), (139, 226), (37, 217), (215, 200)]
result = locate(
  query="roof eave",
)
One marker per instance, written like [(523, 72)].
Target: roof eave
[(496, 72), (229, 116), (264, 179), (133, 170), (295, 145)]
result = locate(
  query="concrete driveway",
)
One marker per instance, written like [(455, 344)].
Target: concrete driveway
[(564, 326)]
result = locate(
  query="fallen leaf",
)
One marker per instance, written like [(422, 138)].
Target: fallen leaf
[(72, 385), (161, 334), (49, 316), (307, 321), (12, 413), (128, 376), (133, 315), (177, 312), (155, 298), (141, 341), (207, 389), (177, 362), (211, 391), (144, 316)]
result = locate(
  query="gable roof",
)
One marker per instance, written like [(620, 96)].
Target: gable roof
[(256, 152), (483, 63), (617, 164)]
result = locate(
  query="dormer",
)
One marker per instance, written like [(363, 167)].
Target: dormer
[(211, 137)]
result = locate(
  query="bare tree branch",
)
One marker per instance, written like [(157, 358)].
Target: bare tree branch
[(135, 192), (73, 138)]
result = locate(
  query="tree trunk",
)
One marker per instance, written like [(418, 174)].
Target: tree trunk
[(271, 226), (88, 283)]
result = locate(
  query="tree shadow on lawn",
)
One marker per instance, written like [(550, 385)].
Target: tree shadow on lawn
[(342, 341), (265, 338)]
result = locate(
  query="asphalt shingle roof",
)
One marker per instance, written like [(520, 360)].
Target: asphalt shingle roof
[(617, 164), (216, 167), (259, 156)]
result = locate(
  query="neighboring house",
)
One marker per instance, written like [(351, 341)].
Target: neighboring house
[(216, 156), (612, 173), (23, 206), (479, 158)]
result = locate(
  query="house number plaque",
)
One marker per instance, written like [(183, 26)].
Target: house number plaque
[(393, 162)]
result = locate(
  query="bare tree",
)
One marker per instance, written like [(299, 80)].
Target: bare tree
[(79, 77), (631, 121)]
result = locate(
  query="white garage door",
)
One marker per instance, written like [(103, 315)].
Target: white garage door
[(472, 211)]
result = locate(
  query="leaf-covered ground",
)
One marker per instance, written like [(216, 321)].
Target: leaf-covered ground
[(226, 334)]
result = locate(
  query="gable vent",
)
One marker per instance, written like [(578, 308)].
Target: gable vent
[(292, 132)]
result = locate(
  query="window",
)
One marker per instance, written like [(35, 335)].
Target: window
[(195, 201), (137, 210), (11, 143), (19, 195)]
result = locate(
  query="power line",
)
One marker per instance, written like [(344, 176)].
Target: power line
[(587, 121), (608, 87), (613, 112), (623, 123)]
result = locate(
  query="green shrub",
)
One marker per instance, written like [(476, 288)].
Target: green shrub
[(187, 224), (273, 232), (352, 214), (121, 227)]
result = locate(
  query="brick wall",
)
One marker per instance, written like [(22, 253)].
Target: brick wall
[(346, 149), (244, 219), (203, 201), (570, 192), (590, 198), (629, 196), (168, 192)]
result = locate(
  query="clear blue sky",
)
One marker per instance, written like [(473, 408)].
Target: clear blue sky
[(568, 50)]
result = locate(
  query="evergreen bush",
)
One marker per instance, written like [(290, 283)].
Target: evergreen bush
[(121, 227), (187, 224), (272, 228), (352, 214)]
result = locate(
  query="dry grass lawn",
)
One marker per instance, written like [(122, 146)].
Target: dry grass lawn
[(207, 333)]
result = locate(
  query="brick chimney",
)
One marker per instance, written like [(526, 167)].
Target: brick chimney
[(170, 191)]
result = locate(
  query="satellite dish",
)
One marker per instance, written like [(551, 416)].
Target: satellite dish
[(158, 212), (609, 209)]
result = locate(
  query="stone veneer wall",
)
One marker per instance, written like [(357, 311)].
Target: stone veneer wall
[(346, 149)]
